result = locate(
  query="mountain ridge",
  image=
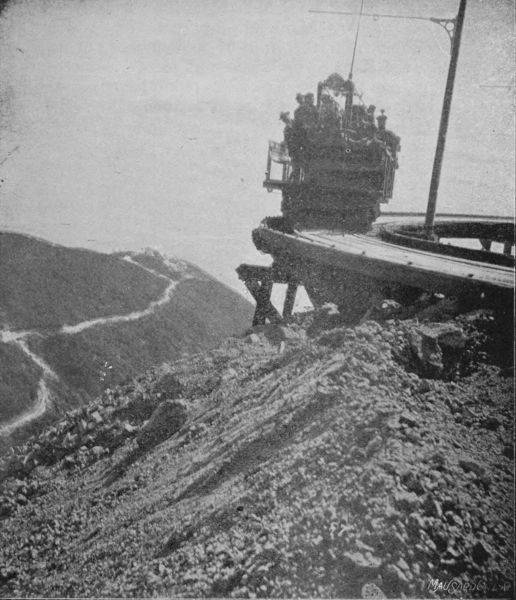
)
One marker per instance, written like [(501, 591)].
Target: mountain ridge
[(93, 318)]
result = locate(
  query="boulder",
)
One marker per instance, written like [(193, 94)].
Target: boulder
[(492, 422), (412, 482), (361, 561), (229, 374), (436, 347), (432, 507), (409, 419), (472, 465), (166, 420), (370, 591), (406, 501), (96, 416), (98, 451), (325, 317), (481, 552)]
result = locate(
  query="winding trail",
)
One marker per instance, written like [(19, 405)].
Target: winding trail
[(134, 316), (43, 394)]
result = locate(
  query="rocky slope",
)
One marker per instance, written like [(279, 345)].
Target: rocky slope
[(78, 321), (306, 461)]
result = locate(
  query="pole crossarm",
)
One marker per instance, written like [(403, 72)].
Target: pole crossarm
[(447, 24)]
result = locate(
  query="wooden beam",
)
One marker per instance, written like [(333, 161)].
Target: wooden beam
[(261, 292), (290, 298), (259, 281), (253, 272)]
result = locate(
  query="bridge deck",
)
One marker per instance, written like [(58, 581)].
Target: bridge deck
[(369, 255)]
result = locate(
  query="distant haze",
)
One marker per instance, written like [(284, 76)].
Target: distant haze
[(133, 123)]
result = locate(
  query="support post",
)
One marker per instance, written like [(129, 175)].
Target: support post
[(261, 292), (290, 298), (259, 281), (269, 165)]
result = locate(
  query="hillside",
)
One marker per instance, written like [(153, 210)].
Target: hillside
[(45, 285), (84, 320), (19, 376), (309, 460), (198, 315)]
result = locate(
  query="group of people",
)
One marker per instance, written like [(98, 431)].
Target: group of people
[(301, 129), (327, 122)]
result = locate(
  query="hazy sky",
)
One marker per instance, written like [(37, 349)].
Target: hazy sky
[(132, 123)]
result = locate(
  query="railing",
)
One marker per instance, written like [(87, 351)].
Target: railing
[(277, 154)]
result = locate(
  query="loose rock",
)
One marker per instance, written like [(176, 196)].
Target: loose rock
[(166, 420)]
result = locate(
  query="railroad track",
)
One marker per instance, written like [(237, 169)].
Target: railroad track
[(349, 268)]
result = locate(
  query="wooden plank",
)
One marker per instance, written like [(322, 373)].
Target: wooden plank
[(250, 272)]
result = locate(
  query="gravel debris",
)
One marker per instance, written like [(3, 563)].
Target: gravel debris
[(354, 463)]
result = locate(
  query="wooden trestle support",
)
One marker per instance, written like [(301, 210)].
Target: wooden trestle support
[(355, 272), (259, 281)]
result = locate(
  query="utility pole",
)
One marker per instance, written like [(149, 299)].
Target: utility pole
[(455, 36), (453, 28)]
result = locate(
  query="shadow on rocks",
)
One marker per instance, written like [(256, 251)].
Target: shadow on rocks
[(168, 418)]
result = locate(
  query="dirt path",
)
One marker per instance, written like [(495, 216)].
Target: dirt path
[(43, 395), (43, 392), (43, 399), (134, 316)]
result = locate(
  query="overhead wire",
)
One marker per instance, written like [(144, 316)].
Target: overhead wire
[(356, 40), (338, 12)]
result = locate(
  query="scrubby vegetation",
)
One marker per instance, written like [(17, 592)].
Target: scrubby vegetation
[(45, 286), (18, 381), (191, 321)]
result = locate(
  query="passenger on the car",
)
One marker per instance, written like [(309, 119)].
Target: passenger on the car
[(293, 137), (311, 116)]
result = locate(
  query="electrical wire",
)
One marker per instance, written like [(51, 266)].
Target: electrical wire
[(336, 12), (356, 40)]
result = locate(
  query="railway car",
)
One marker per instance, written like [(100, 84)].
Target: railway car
[(337, 161), (334, 168)]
